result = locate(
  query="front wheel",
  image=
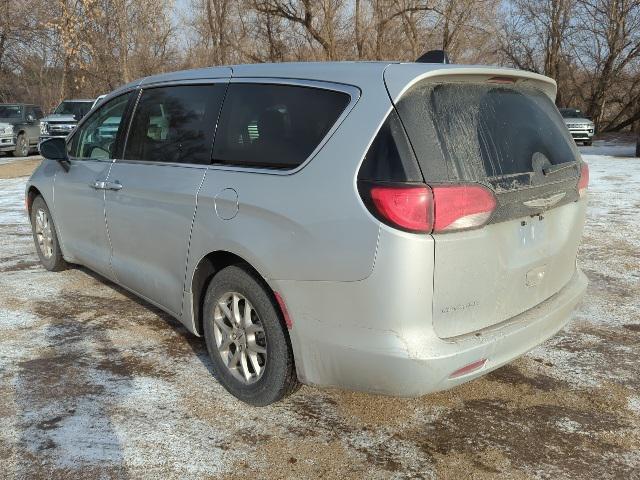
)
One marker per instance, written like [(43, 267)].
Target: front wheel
[(45, 237), (246, 340), (22, 146)]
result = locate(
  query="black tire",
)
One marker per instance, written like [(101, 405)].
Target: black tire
[(587, 143), (22, 146), (278, 379), (638, 148), (53, 262)]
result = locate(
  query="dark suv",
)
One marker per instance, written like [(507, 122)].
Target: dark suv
[(19, 128)]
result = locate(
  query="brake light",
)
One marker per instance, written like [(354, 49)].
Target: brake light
[(407, 207), (583, 181), (435, 209), (461, 207)]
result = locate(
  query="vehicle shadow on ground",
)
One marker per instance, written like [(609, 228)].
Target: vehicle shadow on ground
[(196, 344)]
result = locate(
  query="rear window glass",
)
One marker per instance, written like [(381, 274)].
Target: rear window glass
[(274, 126), (484, 132)]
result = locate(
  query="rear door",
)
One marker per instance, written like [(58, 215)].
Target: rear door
[(151, 200), (505, 134)]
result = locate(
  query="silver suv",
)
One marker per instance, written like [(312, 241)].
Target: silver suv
[(393, 228), (582, 129)]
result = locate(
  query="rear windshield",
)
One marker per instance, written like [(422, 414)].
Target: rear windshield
[(502, 135)]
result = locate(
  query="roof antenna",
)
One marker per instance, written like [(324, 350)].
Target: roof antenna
[(434, 56)]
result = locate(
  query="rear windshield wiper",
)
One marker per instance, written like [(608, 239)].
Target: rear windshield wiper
[(558, 167)]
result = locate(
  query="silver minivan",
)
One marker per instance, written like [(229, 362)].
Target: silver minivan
[(386, 227)]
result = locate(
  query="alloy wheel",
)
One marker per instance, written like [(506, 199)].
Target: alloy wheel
[(44, 233), (240, 337)]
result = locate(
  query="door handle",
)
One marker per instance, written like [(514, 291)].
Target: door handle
[(113, 185), (106, 185)]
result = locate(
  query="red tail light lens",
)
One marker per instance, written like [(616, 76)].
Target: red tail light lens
[(407, 207), (583, 182), (460, 207), (437, 209)]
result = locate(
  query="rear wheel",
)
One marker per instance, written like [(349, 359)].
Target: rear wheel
[(248, 346), (22, 146), (45, 237)]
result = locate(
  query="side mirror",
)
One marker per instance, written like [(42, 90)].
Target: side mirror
[(55, 149), (31, 118)]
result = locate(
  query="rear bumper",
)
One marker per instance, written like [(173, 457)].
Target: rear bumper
[(407, 361)]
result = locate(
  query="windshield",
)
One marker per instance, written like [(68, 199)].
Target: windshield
[(571, 113), (485, 131), (10, 111), (77, 109)]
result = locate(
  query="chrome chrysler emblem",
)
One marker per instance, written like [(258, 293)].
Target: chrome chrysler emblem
[(545, 202)]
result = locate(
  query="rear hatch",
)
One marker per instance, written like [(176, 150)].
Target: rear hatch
[(504, 133)]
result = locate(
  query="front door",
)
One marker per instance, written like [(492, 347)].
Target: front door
[(79, 191), (151, 208)]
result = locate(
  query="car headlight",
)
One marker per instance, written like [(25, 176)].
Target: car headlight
[(44, 128), (8, 130)]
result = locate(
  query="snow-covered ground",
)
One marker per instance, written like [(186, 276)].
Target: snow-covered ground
[(95, 383)]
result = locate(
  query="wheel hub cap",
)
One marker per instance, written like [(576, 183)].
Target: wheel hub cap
[(44, 234), (240, 337)]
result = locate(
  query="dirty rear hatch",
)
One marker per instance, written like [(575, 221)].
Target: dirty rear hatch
[(503, 132)]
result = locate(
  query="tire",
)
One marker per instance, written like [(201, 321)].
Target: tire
[(22, 146), (45, 237), (275, 375), (588, 143), (638, 148)]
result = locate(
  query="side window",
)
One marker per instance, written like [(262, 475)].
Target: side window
[(390, 157), (274, 126), (96, 138), (175, 124)]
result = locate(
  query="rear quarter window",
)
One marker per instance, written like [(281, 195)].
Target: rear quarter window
[(274, 126)]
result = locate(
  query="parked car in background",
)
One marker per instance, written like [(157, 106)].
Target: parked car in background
[(582, 128), (19, 128), (64, 118), (335, 224)]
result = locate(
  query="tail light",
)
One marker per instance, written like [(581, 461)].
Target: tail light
[(461, 207), (583, 181), (407, 207), (431, 209)]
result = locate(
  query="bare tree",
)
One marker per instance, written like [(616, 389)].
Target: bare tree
[(318, 18)]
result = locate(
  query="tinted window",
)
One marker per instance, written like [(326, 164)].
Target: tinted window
[(10, 111), (77, 109), (274, 126), (96, 138), (390, 158), (485, 131), (175, 124)]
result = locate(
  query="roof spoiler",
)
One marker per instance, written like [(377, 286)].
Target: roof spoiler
[(434, 56)]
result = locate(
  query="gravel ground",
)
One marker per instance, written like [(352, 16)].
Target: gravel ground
[(95, 383)]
